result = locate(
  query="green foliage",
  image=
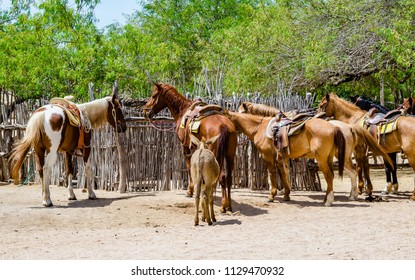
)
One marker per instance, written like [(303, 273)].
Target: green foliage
[(53, 48)]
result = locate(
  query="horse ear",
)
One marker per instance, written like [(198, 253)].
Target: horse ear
[(157, 85), (194, 140), (115, 92), (212, 140), (327, 96)]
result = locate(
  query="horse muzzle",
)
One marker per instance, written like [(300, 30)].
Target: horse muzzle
[(148, 113)]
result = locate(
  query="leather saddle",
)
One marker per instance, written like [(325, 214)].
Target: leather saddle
[(281, 127), (380, 124), (75, 118)]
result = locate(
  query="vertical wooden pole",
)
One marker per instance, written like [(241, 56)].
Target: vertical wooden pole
[(122, 156)]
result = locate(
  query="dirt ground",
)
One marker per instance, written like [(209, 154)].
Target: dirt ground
[(159, 225)]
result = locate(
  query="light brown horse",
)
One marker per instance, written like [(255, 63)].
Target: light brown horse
[(166, 96), (50, 131), (400, 139), (408, 105), (356, 140), (318, 139)]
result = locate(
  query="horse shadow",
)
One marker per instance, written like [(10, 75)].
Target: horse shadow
[(317, 200), (96, 203)]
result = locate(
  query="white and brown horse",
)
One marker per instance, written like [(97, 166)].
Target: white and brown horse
[(50, 131)]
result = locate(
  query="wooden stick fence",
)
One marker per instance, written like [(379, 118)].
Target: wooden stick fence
[(154, 157)]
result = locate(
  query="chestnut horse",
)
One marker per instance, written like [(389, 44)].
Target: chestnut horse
[(50, 131), (356, 140), (400, 139), (166, 96), (317, 139)]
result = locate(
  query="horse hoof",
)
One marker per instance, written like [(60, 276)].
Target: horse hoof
[(222, 210), (214, 220), (72, 198), (92, 198), (210, 223), (286, 198), (47, 203), (189, 195)]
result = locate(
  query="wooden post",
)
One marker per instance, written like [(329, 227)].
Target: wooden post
[(122, 156)]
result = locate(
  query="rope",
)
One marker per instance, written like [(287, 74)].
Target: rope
[(29, 177)]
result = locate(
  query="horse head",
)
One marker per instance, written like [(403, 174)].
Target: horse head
[(155, 104), (325, 105), (407, 105), (115, 114)]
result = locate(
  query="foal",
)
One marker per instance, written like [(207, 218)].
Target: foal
[(205, 171)]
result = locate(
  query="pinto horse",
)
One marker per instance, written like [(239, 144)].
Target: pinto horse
[(400, 139), (49, 131), (317, 139), (390, 169), (356, 140), (166, 96)]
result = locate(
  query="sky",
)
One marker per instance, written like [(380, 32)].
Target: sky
[(107, 12)]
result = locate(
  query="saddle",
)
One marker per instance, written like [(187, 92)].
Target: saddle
[(196, 112), (75, 118), (280, 128), (381, 124)]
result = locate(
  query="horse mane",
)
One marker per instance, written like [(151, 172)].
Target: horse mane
[(97, 111), (348, 105), (259, 109), (176, 99), (367, 104)]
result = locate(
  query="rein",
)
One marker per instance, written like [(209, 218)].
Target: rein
[(169, 129)]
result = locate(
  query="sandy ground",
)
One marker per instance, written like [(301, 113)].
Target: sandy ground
[(159, 225)]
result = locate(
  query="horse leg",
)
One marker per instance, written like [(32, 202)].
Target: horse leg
[(89, 180), (210, 202), (47, 173), (391, 178), (327, 171), (272, 181), (282, 167), (351, 171), (197, 201), (369, 186), (69, 174), (187, 156), (205, 208)]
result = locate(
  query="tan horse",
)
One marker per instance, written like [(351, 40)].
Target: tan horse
[(356, 140), (400, 139), (318, 139)]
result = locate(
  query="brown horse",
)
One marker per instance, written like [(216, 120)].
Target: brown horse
[(166, 96), (357, 138), (51, 129), (400, 139), (317, 139)]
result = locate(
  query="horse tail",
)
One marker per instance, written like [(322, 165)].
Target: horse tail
[(340, 142), (222, 145), (22, 146), (372, 143)]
